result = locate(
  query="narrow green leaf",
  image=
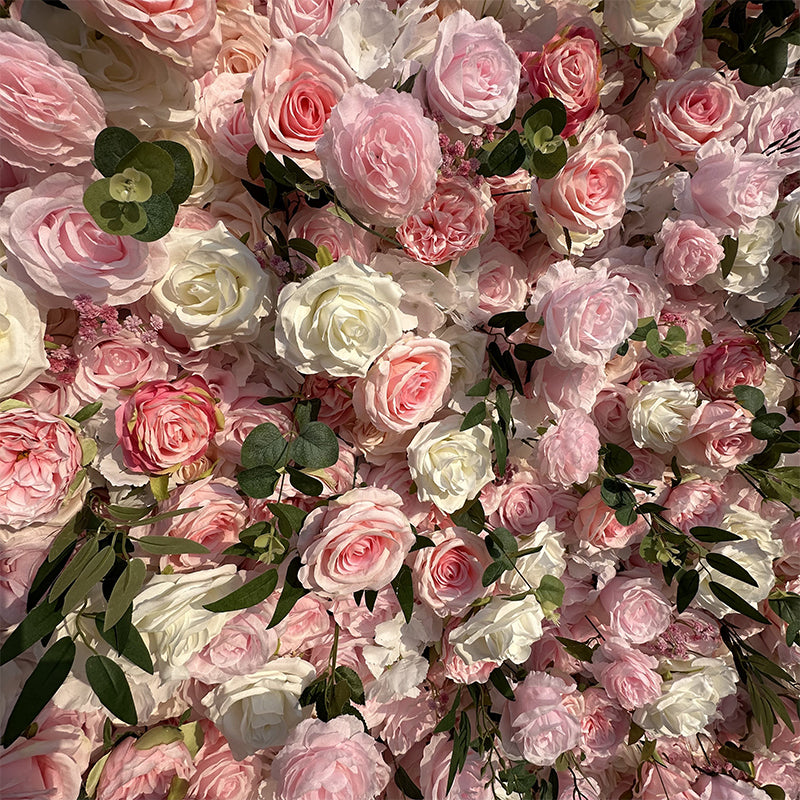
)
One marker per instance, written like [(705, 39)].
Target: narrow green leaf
[(401, 778), (45, 575), (40, 622), (292, 591), (579, 650), (500, 441), (87, 412), (125, 590), (738, 604), (354, 682), (727, 566), (170, 545), (448, 721), (475, 416), (74, 568), (688, 584), (92, 574), (126, 641), (709, 535), (111, 687), (530, 352), (500, 682), (252, 593), (404, 589)]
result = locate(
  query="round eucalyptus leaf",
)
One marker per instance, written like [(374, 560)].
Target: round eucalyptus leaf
[(154, 162), (110, 147), (548, 165), (111, 216), (183, 182), (160, 212), (767, 64)]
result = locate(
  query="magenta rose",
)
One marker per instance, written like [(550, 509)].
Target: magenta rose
[(690, 252), (729, 363), (637, 609), (628, 675), (380, 154), (163, 426), (567, 452)]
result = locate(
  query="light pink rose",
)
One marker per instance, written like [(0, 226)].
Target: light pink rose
[(512, 221), (447, 577), (39, 457), (359, 541), (604, 726), (731, 362), (564, 388), (50, 113), (322, 228), (218, 774), (380, 154), (307, 625), (568, 68), (245, 39), (501, 284), (610, 415), (686, 113), (187, 31), (636, 607), (435, 766), (724, 787), (595, 523), (335, 396), (628, 675), (407, 721), (18, 564), (163, 425), (55, 245), (696, 502), (332, 760), (520, 505), (291, 96), (449, 225), (131, 774), (774, 114), (473, 77), (406, 385), (289, 17), (690, 252), (588, 194), (567, 452)]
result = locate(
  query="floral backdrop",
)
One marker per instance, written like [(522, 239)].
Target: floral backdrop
[(398, 398)]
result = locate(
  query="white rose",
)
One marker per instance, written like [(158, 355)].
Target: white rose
[(339, 319), (22, 353), (750, 525), (467, 353), (688, 702), (646, 23), (260, 710), (502, 630), (215, 290), (659, 415), (789, 220), (532, 568), (450, 466)]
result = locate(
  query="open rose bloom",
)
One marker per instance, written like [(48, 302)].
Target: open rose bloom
[(399, 398)]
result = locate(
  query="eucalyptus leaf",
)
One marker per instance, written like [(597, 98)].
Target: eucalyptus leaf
[(258, 482), (154, 162), (110, 147), (307, 484), (316, 446), (183, 181), (160, 218), (265, 445)]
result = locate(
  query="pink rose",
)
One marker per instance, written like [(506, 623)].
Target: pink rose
[(458, 670), (686, 113), (520, 505), (18, 564), (568, 68), (588, 194), (50, 113), (567, 452), (39, 458), (380, 154), (628, 675), (564, 388), (407, 722), (604, 726), (54, 244), (359, 541), (774, 114), (595, 523), (610, 415), (724, 787), (218, 774), (679, 50), (289, 17), (449, 225), (512, 221), (291, 96), (435, 766), (696, 502), (335, 396), (245, 39), (501, 283), (307, 625), (163, 425), (473, 77), (332, 760), (406, 385), (690, 252), (636, 607), (322, 228), (729, 363)]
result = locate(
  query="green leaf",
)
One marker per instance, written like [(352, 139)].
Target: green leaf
[(290, 518), (87, 412), (460, 749), (170, 545), (40, 622), (265, 446), (45, 575), (258, 482), (709, 535), (502, 402), (304, 247), (252, 593), (475, 416), (154, 161), (42, 684), (500, 441), (370, 596), (480, 389), (767, 426), (404, 589), (448, 721), (730, 752), (160, 212), (401, 778), (627, 515), (125, 590), (617, 460), (110, 147), (421, 542), (750, 398), (730, 248), (354, 682), (130, 645), (503, 157), (767, 64), (307, 484), (530, 352), (688, 584), (316, 447), (470, 516), (555, 116), (292, 591), (774, 791), (547, 165), (636, 733), (66, 536), (727, 566), (500, 682), (509, 321), (494, 571), (550, 592), (501, 542), (732, 600), (616, 494), (111, 687), (183, 181), (91, 575), (118, 219), (579, 650)]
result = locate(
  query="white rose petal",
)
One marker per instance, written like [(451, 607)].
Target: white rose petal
[(659, 415), (645, 23)]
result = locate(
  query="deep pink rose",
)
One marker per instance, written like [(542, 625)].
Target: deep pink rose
[(322, 228), (163, 426), (567, 452), (732, 362), (596, 523), (50, 113), (380, 154), (520, 505), (636, 607), (628, 675), (359, 541), (218, 774), (289, 17), (332, 760), (690, 252), (39, 458)]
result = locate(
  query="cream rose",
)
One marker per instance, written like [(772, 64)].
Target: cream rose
[(659, 415), (646, 23)]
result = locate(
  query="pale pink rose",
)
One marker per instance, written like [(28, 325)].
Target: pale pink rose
[(719, 436), (636, 607), (322, 228), (588, 194), (520, 504), (568, 68), (789, 563), (502, 283), (39, 458), (732, 362), (19, 561), (359, 541), (307, 625), (289, 17), (335, 396), (447, 577), (595, 523), (332, 760), (699, 106), (674, 57), (782, 771), (456, 669), (696, 502), (131, 774), (380, 154), (407, 721), (218, 774), (690, 252), (774, 114), (541, 723), (473, 77), (643, 286), (449, 225), (358, 620), (187, 31), (724, 787), (12, 178), (604, 726), (434, 767), (163, 425), (291, 96), (512, 220), (54, 244), (669, 781), (564, 388), (628, 675), (50, 113), (245, 40), (567, 452), (610, 415), (406, 385)]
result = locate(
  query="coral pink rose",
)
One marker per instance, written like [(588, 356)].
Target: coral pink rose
[(40, 456), (595, 523), (218, 774), (567, 452), (380, 154), (690, 252), (406, 385), (332, 760), (359, 541), (729, 363), (435, 766), (520, 505), (163, 426), (628, 675), (289, 17), (322, 228), (637, 608), (50, 113)]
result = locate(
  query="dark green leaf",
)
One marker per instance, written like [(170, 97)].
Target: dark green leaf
[(475, 416), (503, 158), (370, 597), (509, 321), (87, 412), (626, 515), (290, 518), (39, 622), (110, 146), (749, 397), (579, 650), (258, 482), (304, 247), (307, 484), (421, 542), (306, 411), (732, 600), (500, 441), (547, 165), (125, 590), (251, 594), (111, 687), (118, 219), (500, 682), (354, 682), (727, 566), (556, 112), (530, 352), (731, 752), (91, 575), (502, 402), (730, 247), (635, 733), (494, 571), (401, 777), (292, 591), (154, 162), (126, 641), (74, 568), (688, 584), (169, 545), (767, 426), (767, 64), (160, 218), (549, 592), (264, 446), (448, 721), (460, 749), (404, 589), (470, 516), (480, 389), (183, 182), (316, 447), (46, 574), (709, 535)]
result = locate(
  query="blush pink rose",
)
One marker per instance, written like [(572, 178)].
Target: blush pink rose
[(359, 541), (628, 675), (512, 220), (564, 388), (567, 452), (218, 774), (732, 362), (636, 607), (435, 766), (568, 68), (40, 456), (501, 283), (520, 505), (458, 670), (406, 385), (610, 415), (724, 787), (407, 721), (695, 502), (307, 625), (604, 726), (322, 228), (336, 399), (595, 523), (50, 113), (54, 244), (380, 154), (690, 252), (774, 114), (332, 760), (18, 565), (588, 194), (289, 17), (473, 77), (680, 49), (163, 426)]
